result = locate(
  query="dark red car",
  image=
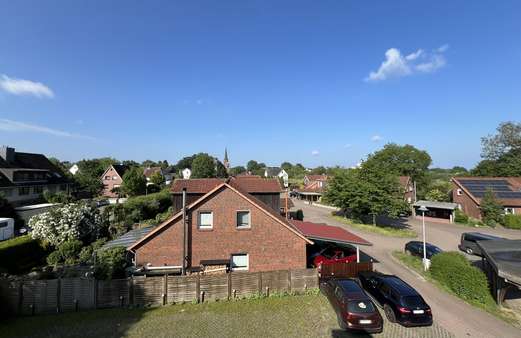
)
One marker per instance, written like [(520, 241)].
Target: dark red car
[(331, 255), (355, 310)]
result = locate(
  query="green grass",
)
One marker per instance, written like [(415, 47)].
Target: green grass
[(415, 263), (388, 231)]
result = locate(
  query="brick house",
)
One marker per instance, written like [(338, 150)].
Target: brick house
[(314, 187), (408, 189), (24, 177), (113, 178), (227, 222), (467, 192)]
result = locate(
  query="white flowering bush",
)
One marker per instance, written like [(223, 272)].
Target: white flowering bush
[(69, 222)]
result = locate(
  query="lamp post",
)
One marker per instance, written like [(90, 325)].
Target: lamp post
[(425, 263)]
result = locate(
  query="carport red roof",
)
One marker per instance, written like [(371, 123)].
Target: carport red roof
[(328, 233)]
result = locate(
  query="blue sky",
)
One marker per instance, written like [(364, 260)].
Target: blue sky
[(316, 82)]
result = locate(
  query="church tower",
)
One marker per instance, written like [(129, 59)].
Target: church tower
[(226, 162)]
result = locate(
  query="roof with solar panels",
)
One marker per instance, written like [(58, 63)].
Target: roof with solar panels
[(506, 189)]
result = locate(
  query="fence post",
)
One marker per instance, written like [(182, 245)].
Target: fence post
[(198, 288), (229, 285), (260, 283), (289, 281), (58, 294), (95, 293), (131, 291), (165, 289)]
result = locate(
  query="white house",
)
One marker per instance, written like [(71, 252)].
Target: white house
[(74, 169), (186, 173)]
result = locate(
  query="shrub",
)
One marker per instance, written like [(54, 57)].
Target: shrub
[(59, 197), (512, 221), (461, 217), (21, 254), (111, 263), (66, 253), (86, 253), (453, 271)]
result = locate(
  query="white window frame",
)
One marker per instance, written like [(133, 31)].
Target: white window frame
[(510, 211), (459, 192), (237, 219), (114, 178), (201, 226), (242, 268)]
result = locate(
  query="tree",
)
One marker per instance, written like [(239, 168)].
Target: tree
[(220, 169), (508, 164), (157, 178), (286, 166), (253, 165), (237, 170), (437, 196), (203, 166), (185, 162), (320, 170), (491, 210), (134, 182), (69, 222), (111, 263), (507, 139), (89, 174)]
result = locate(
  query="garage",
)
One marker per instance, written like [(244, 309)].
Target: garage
[(442, 212)]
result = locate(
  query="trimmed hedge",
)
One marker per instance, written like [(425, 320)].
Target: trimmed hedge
[(512, 221), (461, 217), (21, 254), (455, 272)]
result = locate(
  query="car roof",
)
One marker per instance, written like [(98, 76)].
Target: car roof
[(400, 286), (350, 287), (421, 243), (479, 234)]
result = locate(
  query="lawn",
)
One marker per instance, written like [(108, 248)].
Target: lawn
[(415, 264), (277, 316), (388, 231)]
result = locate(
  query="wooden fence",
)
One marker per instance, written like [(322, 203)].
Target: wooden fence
[(343, 270), (75, 294)]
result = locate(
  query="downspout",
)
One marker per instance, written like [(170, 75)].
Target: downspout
[(183, 264)]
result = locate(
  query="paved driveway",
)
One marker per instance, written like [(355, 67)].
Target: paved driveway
[(449, 312)]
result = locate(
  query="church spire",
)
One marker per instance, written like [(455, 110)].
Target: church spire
[(226, 162)]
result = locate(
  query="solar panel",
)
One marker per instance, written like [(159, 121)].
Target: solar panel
[(511, 194)]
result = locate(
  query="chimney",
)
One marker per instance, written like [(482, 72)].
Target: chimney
[(7, 154)]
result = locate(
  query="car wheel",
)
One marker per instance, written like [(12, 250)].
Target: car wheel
[(408, 252), (389, 313), (341, 323), (469, 251)]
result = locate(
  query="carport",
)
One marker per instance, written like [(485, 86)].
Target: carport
[(321, 232), (437, 211), (502, 264)]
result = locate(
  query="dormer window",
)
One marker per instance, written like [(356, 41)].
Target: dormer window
[(459, 192)]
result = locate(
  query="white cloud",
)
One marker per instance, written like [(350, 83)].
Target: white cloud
[(376, 138), (25, 87), (315, 152), (17, 126), (396, 65)]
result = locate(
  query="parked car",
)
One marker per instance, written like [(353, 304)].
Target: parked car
[(415, 248), (469, 239), (401, 303), (331, 255), (354, 309)]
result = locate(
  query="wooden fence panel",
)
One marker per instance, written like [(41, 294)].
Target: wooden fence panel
[(113, 293), (303, 279), (344, 270), (148, 291), (40, 296), (181, 289), (245, 284), (214, 287), (10, 294), (77, 294), (276, 281)]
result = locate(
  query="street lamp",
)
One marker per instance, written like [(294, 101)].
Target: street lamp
[(424, 261)]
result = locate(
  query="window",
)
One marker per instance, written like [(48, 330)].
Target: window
[(205, 220), (107, 177), (24, 191), (114, 178), (3, 224), (240, 262), (459, 192), (38, 189), (243, 219), (510, 211)]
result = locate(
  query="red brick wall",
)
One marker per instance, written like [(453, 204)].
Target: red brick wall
[(270, 245), (108, 184), (468, 206)]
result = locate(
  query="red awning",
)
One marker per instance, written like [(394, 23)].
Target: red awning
[(324, 232)]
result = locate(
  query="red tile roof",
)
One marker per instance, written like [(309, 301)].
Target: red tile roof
[(248, 184), (317, 177), (404, 180), (148, 172), (328, 233)]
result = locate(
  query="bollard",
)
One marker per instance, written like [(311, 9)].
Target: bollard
[(76, 305), (202, 297), (267, 291), (234, 292), (31, 306), (121, 301)]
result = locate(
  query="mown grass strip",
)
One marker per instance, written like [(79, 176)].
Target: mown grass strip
[(388, 231)]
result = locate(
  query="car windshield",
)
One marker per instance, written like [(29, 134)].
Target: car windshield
[(360, 306), (434, 249), (413, 301)]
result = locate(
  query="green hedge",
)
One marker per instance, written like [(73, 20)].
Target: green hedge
[(139, 208), (460, 217), (455, 272), (512, 221), (21, 254)]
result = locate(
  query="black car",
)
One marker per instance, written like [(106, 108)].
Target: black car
[(401, 303), (469, 239), (354, 309), (415, 248)]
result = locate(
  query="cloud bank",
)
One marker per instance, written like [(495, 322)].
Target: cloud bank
[(25, 87)]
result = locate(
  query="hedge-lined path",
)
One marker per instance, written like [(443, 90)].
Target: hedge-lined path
[(450, 312)]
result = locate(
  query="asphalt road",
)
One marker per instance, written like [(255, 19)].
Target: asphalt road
[(449, 312)]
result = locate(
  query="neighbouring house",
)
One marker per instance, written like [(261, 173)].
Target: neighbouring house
[(24, 177), (186, 172), (228, 227), (150, 171), (467, 192), (409, 192), (314, 187), (74, 169), (112, 179), (169, 174), (276, 172)]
